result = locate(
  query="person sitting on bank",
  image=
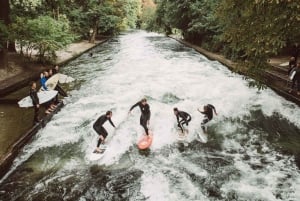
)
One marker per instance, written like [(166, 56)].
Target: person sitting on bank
[(35, 101), (185, 118)]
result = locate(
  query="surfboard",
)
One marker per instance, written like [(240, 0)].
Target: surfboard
[(51, 82), (145, 141), (65, 78), (292, 75), (182, 136), (201, 136), (96, 156), (284, 64), (44, 96)]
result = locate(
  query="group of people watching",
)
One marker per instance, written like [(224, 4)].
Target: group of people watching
[(294, 75), (181, 116), (51, 105)]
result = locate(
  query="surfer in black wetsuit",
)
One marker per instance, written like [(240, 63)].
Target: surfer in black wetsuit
[(185, 118), (35, 101), (98, 127), (145, 116), (208, 115)]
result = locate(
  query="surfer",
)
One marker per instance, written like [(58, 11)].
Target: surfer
[(145, 113), (98, 127), (185, 118), (208, 115), (35, 101)]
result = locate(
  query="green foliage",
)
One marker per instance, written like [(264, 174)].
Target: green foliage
[(248, 30), (44, 34), (3, 33)]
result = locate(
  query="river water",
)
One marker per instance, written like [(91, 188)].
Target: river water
[(248, 156)]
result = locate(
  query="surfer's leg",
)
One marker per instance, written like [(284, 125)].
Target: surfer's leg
[(205, 120), (36, 114), (143, 123), (180, 124)]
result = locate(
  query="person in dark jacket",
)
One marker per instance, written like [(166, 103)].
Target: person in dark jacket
[(296, 79), (98, 127), (55, 70), (35, 101), (185, 118), (292, 64), (208, 115), (145, 113)]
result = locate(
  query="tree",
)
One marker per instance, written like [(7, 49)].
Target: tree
[(4, 21), (44, 34)]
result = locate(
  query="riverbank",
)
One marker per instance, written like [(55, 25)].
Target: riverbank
[(274, 77), (16, 123)]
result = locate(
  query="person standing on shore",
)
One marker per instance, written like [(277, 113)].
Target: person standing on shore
[(35, 101)]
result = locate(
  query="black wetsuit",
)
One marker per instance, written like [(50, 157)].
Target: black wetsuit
[(145, 116), (98, 127), (208, 115), (296, 79), (185, 119), (35, 101)]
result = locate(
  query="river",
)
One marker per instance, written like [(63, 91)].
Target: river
[(248, 156)]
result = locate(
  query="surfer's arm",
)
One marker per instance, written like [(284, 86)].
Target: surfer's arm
[(214, 109), (110, 121), (134, 106)]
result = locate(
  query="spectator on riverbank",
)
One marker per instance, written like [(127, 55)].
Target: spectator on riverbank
[(296, 79), (35, 101), (50, 107), (296, 51), (292, 64), (55, 70), (43, 80)]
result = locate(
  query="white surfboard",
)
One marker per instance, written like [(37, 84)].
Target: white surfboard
[(201, 136), (292, 75), (284, 64), (51, 82), (97, 156), (182, 136), (65, 78), (44, 96)]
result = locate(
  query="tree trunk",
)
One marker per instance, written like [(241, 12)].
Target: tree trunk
[(93, 36), (4, 16), (12, 46), (3, 59)]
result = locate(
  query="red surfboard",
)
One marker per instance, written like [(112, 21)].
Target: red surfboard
[(145, 142)]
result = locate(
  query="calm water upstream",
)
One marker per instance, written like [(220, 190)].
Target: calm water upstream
[(243, 160)]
